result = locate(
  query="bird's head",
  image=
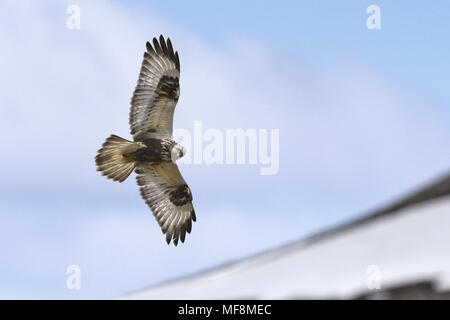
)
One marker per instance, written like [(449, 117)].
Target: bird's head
[(177, 152)]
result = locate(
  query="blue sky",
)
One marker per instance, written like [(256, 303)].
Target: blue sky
[(322, 32), (363, 118)]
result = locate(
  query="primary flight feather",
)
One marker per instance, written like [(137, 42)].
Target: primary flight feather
[(153, 153)]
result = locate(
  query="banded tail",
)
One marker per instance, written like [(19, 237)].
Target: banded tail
[(112, 160)]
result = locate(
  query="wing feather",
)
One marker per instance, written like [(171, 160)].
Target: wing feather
[(177, 61), (157, 46), (170, 47), (166, 193), (156, 93), (150, 49), (163, 46)]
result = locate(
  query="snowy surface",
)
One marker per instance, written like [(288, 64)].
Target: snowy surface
[(411, 245)]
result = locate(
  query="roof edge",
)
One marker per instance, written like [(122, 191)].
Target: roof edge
[(438, 187)]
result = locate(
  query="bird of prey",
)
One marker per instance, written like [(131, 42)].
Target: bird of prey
[(152, 153)]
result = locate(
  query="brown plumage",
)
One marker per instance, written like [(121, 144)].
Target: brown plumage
[(153, 153)]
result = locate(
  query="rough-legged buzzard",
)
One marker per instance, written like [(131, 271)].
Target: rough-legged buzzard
[(153, 153)]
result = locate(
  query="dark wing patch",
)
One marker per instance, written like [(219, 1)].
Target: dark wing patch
[(169, 197), (157, 91), (168, 88), (181, 195)]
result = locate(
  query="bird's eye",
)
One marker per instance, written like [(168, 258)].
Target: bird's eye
[(181, 153)]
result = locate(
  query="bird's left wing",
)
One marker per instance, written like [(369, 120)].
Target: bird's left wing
[(169, 197), (157, 91)]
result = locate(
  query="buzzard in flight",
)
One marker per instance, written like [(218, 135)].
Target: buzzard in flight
[(153, 153)]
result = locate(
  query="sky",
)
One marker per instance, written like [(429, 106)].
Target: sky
[(363, 117)]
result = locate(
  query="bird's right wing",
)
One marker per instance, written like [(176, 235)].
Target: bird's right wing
[(157, 91), (166, 193)]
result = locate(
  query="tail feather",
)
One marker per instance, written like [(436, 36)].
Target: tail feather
[(111, 159)]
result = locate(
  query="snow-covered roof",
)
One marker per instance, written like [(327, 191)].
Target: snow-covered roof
[(398, 250)]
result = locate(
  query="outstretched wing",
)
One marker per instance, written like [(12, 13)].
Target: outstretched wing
[(169, 197), (157, 91)]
